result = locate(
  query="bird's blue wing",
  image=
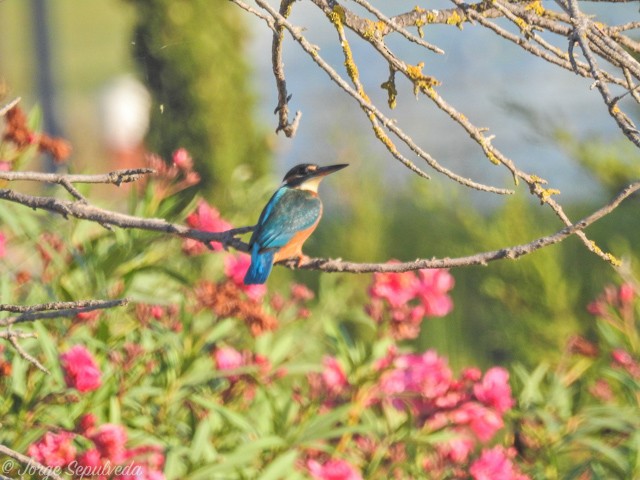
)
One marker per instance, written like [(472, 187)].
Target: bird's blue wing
[(289, 211)]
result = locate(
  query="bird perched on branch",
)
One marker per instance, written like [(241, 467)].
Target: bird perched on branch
[(290, 216)]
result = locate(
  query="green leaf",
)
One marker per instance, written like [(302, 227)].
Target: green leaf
[(282, 467)]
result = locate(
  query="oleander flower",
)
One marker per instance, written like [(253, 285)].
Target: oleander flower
[(80, 369), (205, 218), (494, 390), (110, 440), (54, 449), (495, 464), (333, 470)]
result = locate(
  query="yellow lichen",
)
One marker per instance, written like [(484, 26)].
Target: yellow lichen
[(392, 93), (536, 7), (421, 82), (522, 25), (546, 193), (384, 138), (456, 19)]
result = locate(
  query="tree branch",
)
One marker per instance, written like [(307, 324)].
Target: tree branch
[(85, 211), (45, 311), (338, 265)]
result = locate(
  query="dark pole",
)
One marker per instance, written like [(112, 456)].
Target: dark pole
[(45, 87)]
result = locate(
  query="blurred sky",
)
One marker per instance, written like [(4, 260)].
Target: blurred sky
[(482, 75)]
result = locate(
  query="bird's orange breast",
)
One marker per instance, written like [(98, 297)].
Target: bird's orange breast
[(293, 249)]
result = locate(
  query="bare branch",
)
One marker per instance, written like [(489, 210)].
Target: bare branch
[(370, 108), (5, 108), (282, 109), (71, 309), (338, 265), (13, 337), (116, 177), (84, 211)]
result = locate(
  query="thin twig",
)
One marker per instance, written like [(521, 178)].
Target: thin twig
[(13, 340), (289, 128), (9, 106), (72, 310), (116, 177)]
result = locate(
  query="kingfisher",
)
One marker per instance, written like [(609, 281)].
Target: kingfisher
[(288, 219)]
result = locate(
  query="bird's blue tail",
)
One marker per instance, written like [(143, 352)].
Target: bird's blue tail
[(261, 264)]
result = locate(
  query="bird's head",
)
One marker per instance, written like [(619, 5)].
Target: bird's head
[(307, 176)]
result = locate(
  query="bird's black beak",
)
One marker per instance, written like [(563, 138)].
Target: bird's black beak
[(322, 171)]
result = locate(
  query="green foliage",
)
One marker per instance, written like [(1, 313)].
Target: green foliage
[(189, 53), (583, 418)]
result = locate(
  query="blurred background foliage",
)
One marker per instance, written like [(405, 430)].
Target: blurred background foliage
[(191, 57)]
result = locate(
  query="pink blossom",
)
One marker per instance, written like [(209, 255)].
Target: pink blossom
[(3, 245), (333, 375), (495, 464), (494, 390), (432, 289), (427, 376), (458, 448), (86, 424), (396, 288), (205, 218), (80, 369), (301, 292), (182, 159), (157, 312), (622, 357), (235, 267), (626, 293), (228, 358), (54, 449), (597, 308), (333, 470), (91, 458), (110, 440), (484, 422)]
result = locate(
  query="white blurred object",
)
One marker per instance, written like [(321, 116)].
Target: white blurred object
[(124, 107)]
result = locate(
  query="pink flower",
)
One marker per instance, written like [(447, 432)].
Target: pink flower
[(3, 245), (235, 267), (301, 292), (91, 458), (495, 464), (418, 380), (432, 289), (228, 358), (54, 449), (205, 218), (494, 390), (457, 449), (597, 308), (484, 422), (626, 293), (622, 357), (86, 424), (396, 288), (182, 159), (333, 375), (80, 369), (333, 470), (110, 440)]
